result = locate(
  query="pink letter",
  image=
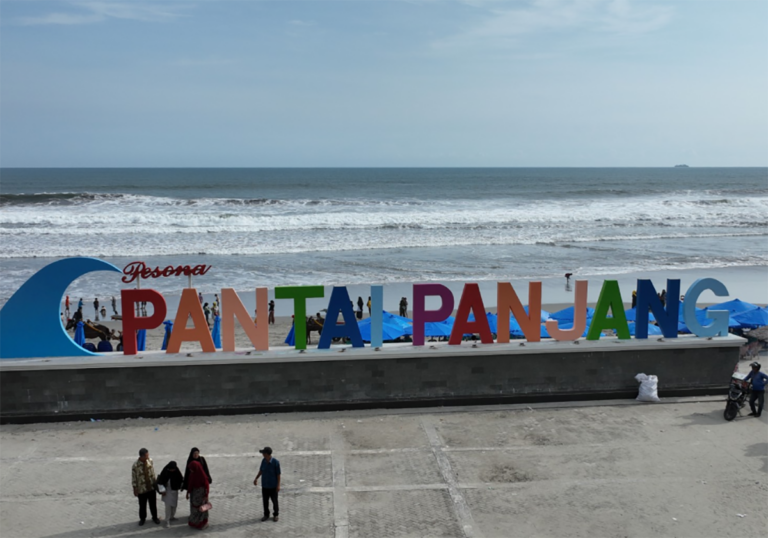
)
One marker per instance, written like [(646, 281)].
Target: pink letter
[(421, 315)]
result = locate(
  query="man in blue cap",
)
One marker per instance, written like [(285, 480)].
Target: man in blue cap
[(759, 380), (270, 482)]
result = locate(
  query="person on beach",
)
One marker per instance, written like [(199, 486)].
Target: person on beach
[(96, 307), (369, 306), (80, 303), (663, 297), (404, 307), (215, 298), (66, 306), (103, 312), (197, 494), (194, 455), (78, 315), (271, 313), (114, 305), (207, 312), (759, 380), (143, 481), (634, 298), (269, 472), (359, 307), (63, 319), (200, 296), (171, 479)]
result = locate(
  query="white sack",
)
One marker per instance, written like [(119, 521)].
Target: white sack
[(649, 388)]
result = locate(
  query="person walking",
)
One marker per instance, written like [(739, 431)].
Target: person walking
[(404, 307), (194, 455), (759, 380), (143, 481), (359, 307), (200, 296), (197, 494), (369, 306), (171, 479), (80, 303), (207, 313), (269, 472), (271, 320), (96, 307), (114, 305)]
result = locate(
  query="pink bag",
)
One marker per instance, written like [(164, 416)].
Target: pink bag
[(205, 507)]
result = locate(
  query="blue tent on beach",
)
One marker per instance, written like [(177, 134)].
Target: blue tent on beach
[(393, 327), (566, 314), (168, 328), (753, 319), (632, 315), (291, 338), (80, 333), (701, 316), (141, 340), (443, 328), (734, 307), (653, 330), (544, 314)]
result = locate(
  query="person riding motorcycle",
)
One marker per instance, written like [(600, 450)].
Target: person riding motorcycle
[(759, 379)]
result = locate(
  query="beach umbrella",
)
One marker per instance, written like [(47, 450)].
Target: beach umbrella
[(216, 332), (632, 315), (544, 314), (291, 338), (492, 321), (566, 314), (733, 307), (681, 314), (753, 318), (439, 328), (141, 340), (168, 328), (80, 333)]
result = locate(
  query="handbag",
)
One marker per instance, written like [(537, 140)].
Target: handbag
[(206, 506)]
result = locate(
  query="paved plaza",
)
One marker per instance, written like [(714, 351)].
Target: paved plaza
[(587, 469)]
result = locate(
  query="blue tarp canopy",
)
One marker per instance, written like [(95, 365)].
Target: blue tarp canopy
[(80, 333), (563, 326), (734, 307), (566, 314), (652, 329), (752, 319), (393, 327), (141, 340), (544, 314), (632, 315), (291, 338), (168, 328), (439, 328), (701, 315)]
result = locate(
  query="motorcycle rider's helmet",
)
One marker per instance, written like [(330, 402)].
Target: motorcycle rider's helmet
[(755, 365)]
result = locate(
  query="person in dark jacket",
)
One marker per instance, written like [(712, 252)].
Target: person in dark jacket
[(171, 479), (360, 307), (194, 455), (759, 380)]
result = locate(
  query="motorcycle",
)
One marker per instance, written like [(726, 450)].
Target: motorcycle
[(737, 397)]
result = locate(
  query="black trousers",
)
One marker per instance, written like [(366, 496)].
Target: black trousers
[(144, 498), (758, 395), (266, 495)]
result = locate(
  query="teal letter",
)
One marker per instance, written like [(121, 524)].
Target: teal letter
[(719, 327)]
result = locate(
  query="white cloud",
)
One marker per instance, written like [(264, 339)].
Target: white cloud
[(94, 11), (505, 26)]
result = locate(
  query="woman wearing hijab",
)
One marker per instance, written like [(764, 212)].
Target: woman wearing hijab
[(197, 494), (194, 455), (171, 479)]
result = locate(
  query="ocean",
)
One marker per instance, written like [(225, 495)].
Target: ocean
[(271, 227)]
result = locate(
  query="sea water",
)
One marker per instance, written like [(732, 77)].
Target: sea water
[(270, 227)]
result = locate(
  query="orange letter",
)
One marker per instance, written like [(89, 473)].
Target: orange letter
[(189, 305), (231, 308), (530, 323), (579, 315)]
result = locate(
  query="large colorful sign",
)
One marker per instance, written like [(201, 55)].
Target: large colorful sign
[(30, 325)]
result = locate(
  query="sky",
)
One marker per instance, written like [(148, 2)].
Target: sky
[(397, 83)]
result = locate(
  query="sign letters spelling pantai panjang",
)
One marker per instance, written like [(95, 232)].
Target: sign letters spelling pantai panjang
[(30, 325), (135, 270)]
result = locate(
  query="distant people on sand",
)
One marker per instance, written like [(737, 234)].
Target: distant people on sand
[(369, 306), (634, 298), (207, 312), (200, 296), (80, 303), (359, 307), (114, 305), (78, 315), (568, 281), (404, 307), (663, 297), (96, 307), (66, 307), (103, 313), (171, 480), (143, 481), (269, 472), (271, 312)]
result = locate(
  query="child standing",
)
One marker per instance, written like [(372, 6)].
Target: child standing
[(171, 479)]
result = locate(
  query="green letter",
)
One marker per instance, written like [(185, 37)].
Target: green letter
[(610, 296), (299, 294)]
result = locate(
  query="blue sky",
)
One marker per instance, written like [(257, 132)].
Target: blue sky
[(384, 83)]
